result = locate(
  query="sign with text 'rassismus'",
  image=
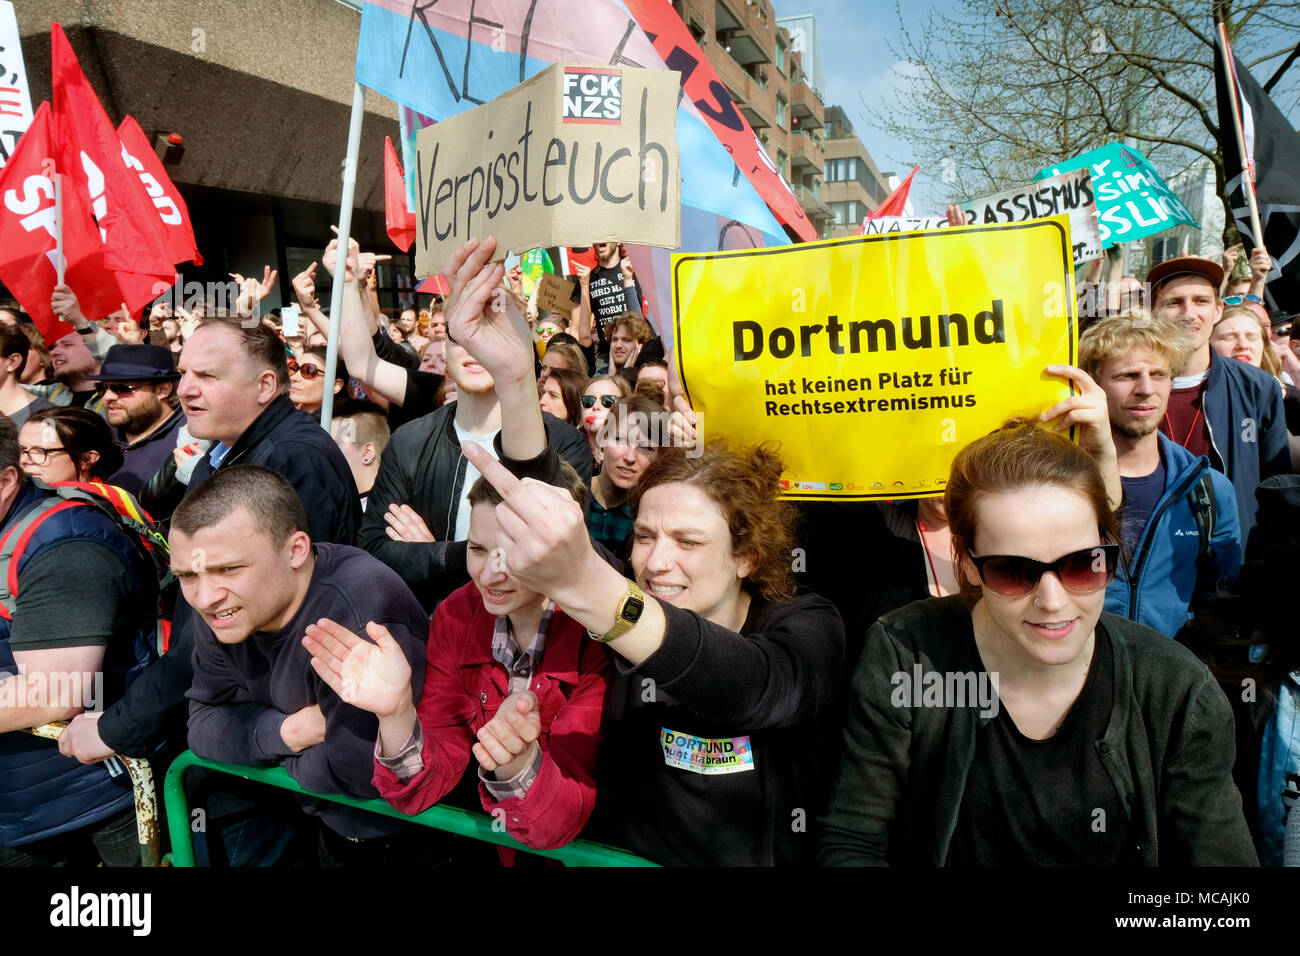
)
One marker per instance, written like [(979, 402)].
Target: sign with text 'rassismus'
[(572, 156), (872, 360)]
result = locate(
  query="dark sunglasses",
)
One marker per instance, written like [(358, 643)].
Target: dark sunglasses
[(308, 370), (606, 401), (1082, 572), (120, 388), (1238, 299)]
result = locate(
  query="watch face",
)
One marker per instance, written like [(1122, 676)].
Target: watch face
[(632, 609)]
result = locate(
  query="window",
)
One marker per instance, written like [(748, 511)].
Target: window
[(780, 110), (781, 159), (829, 134), (850, 169), (780, 57)]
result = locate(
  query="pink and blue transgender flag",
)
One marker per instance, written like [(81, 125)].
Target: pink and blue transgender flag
[(440, 57)]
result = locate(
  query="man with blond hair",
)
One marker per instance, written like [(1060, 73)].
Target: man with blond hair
[(1179, 525)]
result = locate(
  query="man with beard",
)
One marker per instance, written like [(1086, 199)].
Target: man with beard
[(1180, 530), (139, 383)]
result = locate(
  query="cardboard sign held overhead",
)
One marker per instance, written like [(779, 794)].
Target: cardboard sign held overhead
[(555, 295), (571, 156)]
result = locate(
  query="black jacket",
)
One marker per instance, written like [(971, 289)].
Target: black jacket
[(143, 457), (284, 439), (1168, 749), (423, 467), (289, 441), (767, 692)]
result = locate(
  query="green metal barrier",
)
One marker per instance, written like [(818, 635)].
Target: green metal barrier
[(475, 826)]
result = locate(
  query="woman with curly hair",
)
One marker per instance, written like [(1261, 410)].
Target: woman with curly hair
[(720, 722)]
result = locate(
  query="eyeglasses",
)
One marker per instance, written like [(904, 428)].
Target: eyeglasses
[(1282, 331), (606, 401), (1082, 572), (308, 370), (121, 388), (39, 456), (1238, 299)]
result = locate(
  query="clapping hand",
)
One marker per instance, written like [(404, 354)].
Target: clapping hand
[(507, 743), (373, 675)]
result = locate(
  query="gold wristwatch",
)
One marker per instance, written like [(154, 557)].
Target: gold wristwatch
[(628, 613)]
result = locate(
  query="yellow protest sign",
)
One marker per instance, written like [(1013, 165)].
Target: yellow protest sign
[(872, 360)]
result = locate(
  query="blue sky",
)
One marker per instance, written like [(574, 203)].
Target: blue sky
[(854, 36), (856, 59)]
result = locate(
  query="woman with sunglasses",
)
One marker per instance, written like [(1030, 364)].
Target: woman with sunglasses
[(1017, 724), (561, 395), (68, 443), (597, 399), (307, 380)]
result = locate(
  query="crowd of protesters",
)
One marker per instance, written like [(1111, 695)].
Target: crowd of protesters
[(512, 577)]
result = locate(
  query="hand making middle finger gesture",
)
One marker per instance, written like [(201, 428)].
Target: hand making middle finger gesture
[(481, 317)]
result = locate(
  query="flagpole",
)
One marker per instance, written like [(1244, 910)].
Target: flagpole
[(341, 261), (58, 225), (1248, 180)]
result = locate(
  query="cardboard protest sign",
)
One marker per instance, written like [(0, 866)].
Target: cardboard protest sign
[(873, 359), (15, 96), (1069, 193), (883, 225), (572, 156), (555, 294), (1132, 200)]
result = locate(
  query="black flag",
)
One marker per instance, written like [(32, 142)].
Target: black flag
[(1274, 148)]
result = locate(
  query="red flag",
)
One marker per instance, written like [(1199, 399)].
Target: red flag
[(89, 154), (172, 211), (28, 231), (398, 220), (895, 203)]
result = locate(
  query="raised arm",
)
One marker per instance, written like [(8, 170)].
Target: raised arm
[(355, 344), (486, 323)]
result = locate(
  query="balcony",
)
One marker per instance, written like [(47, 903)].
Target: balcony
[(745, 30), (806, 106), (812, 204), (806, 150), (757, 104)]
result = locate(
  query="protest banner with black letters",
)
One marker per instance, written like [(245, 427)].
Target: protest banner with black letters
[(1069, 193), (882, 225), (572, 156), (873, 359), (555, 294), (15, 96)]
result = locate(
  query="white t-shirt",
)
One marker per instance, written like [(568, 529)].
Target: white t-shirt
[(1190, 381), (488, 443)]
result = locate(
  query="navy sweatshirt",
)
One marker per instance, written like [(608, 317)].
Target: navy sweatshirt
[(243, 692)]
